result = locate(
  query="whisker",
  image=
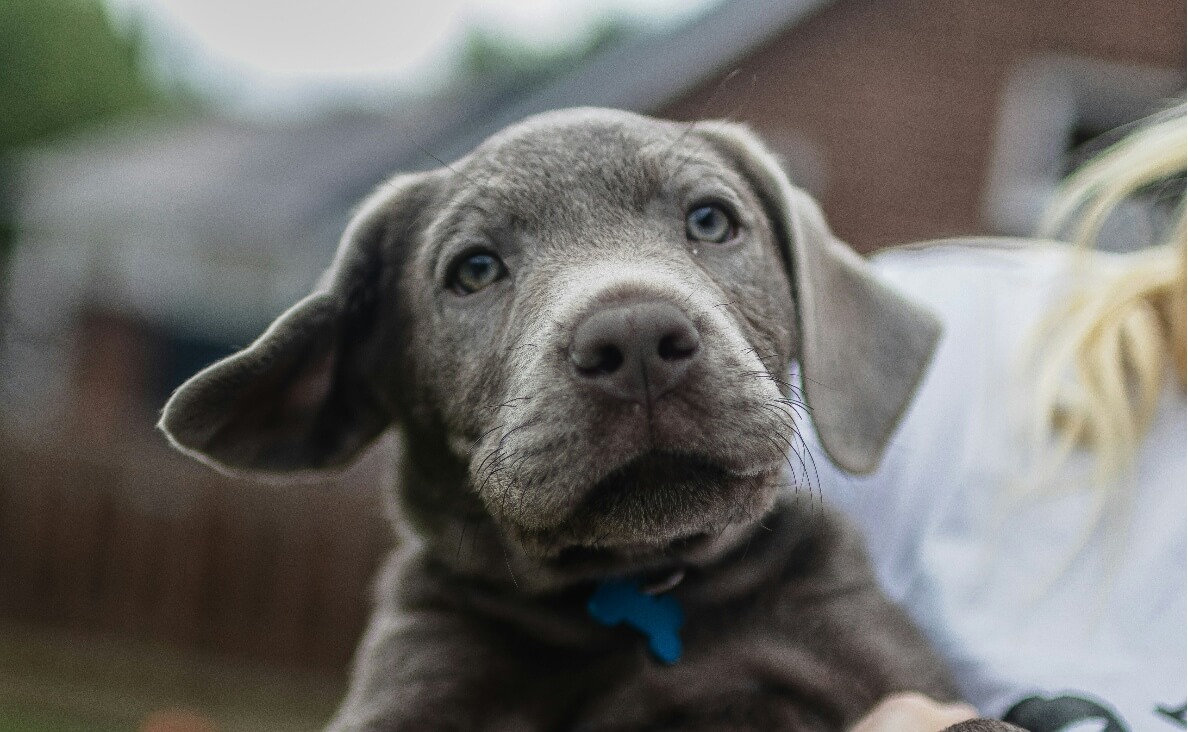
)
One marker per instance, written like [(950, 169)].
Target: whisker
[(509, 404), (461, 538), (821, 384), (507, 562)]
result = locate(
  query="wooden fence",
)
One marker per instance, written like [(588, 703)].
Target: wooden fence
[(142, 543)]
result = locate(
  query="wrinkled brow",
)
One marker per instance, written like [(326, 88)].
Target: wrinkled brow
[(471, 212)]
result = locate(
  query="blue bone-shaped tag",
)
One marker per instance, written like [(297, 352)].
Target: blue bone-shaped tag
[(657, 617)]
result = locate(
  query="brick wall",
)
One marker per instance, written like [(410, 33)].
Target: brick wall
[(901, 97)]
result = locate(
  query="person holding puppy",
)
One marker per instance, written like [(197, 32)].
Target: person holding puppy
[(1030, 510)]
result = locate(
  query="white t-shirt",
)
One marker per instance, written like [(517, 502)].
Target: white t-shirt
[(1024, 600)]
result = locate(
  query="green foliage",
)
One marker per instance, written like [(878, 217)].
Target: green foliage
[(35, 720), (490, 58), (62, 65)]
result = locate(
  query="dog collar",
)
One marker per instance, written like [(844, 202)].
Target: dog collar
[(657, 616)]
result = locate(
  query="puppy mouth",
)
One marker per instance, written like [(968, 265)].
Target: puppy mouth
[(655, 472), (653, 510)]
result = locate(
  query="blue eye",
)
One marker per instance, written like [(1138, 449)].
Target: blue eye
[(477, 271), (710, 223)]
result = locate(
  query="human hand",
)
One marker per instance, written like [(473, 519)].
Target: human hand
[(911, 711)]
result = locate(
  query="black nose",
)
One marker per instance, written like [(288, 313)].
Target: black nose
[(636, 352)]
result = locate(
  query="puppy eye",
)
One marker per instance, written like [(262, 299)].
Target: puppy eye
[(710, 223), (476, 271)]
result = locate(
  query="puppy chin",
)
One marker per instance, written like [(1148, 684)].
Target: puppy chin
[(629, 535)]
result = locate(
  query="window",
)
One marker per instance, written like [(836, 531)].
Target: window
[(1056, 113)]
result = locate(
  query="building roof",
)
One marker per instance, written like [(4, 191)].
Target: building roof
[(647, 72), (248, 202)]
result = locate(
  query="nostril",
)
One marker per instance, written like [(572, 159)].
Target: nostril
[(678, 346), (597, 359), (610, 358)]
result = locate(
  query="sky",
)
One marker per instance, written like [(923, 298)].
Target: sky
[(270, 55)]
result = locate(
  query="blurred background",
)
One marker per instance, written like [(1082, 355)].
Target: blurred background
[(174, 173)]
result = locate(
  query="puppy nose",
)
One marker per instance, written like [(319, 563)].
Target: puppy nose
[(635, 352)]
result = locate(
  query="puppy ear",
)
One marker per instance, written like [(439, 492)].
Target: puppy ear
[(299, 397), (863, 347)]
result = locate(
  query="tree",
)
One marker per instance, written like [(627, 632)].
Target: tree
[(62, 65), (489, 58)]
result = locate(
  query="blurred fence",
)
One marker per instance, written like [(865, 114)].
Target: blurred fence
[(145, 544)]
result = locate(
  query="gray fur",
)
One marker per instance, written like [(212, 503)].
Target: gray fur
[(520, 487)]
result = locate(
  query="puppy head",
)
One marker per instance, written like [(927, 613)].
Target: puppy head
[(584, 327)]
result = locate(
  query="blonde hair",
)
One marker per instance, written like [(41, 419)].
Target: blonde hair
[(1109, 348)]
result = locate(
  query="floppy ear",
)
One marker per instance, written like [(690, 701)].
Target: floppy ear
[(299, 397), (863, 347)]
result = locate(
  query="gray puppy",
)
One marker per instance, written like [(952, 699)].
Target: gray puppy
[(583, 329)]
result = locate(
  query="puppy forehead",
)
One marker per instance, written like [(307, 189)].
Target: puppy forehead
[(583, 136), (593, 156)]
